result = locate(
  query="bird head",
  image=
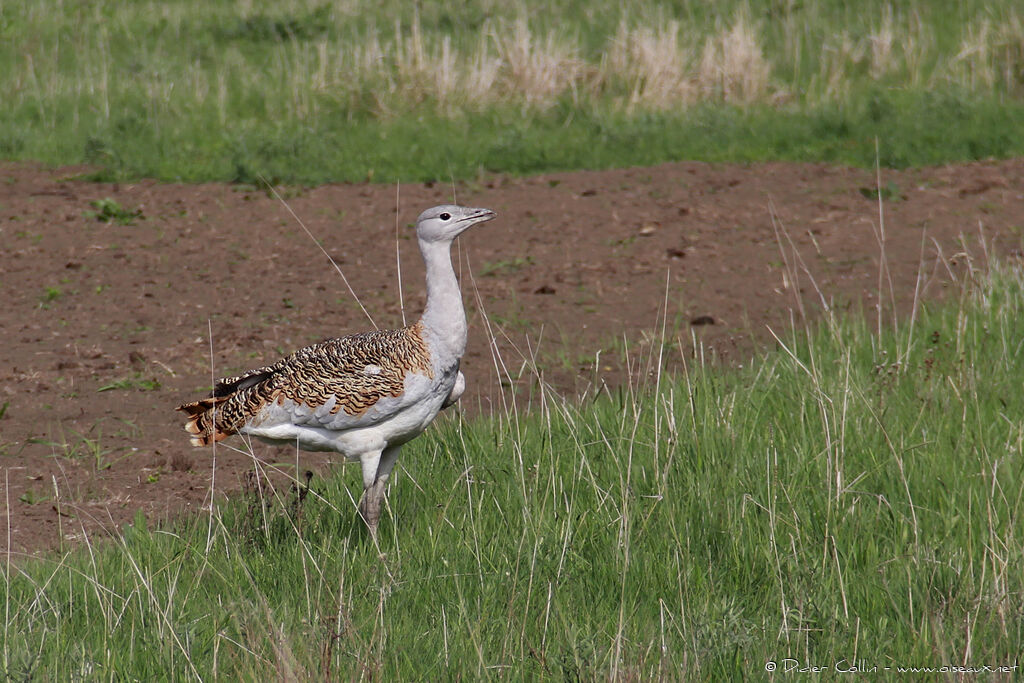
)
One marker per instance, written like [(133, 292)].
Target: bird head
[(446, 222)]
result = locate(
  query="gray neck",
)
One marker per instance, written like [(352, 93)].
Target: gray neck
[(444, 317)]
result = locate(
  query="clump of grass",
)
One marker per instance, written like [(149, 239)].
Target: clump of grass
[(505, 266), (666, 66), (538, 68), (889, 192), (49, 295), (733, 68), (137, 382), (88, 446), (31, 497), (110, 211), (653, 64)]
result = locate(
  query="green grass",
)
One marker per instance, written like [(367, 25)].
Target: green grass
[(307, 92), (913, 130), (852, 497)]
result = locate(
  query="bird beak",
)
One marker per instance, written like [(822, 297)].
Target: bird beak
[(475, 216)]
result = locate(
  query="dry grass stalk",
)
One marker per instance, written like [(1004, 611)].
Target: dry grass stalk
[(536, 70), (733, 67), (881, 40), (654, 64)]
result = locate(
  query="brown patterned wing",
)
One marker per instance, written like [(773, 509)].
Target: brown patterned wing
[(356, 372)]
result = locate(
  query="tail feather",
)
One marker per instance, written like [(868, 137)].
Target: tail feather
[(202, 421)]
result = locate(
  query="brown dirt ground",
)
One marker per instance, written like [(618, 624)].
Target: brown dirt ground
[(107, 327)]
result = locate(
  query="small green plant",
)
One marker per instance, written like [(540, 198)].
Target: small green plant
[(128, 383), (49, 295), (120, 384), (32, 498), (86, 447), (891, 192), (505, 266), (110, 211)]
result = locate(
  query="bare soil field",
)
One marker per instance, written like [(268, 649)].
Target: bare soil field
[(107, 325)]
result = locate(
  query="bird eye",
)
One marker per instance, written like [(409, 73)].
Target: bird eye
[(445, 216)]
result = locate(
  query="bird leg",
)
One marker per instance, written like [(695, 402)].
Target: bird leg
[(376, 470)]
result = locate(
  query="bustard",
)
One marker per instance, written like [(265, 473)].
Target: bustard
[(363, 395)]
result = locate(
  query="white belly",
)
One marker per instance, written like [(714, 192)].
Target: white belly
[(290, 424)]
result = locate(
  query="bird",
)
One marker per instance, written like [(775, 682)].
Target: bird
[(362, 395)]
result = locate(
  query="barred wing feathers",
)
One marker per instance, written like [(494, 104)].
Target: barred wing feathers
[(349, 374)]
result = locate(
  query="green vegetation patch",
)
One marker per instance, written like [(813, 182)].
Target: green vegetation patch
[(110, 211), (910, 129)]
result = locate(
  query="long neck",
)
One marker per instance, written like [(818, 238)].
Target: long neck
[(444, 315)]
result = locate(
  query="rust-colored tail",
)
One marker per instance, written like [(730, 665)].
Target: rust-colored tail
[(202, 422)]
